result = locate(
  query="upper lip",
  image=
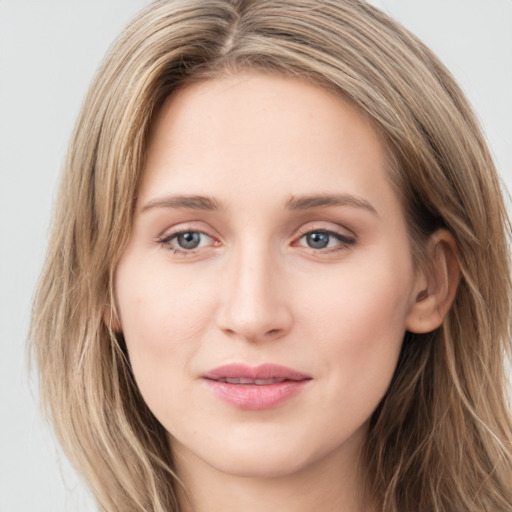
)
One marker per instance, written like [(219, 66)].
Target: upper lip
[(261, 372)]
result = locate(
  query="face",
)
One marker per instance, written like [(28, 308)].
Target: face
[(266, 287)]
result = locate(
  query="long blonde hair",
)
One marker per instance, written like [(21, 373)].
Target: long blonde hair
[(441, 438)]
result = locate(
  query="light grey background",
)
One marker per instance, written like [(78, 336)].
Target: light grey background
[(49, 51)]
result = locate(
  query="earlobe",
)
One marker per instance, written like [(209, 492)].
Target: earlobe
[(436, 284)]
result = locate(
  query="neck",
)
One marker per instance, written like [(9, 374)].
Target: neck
[(331, 483)]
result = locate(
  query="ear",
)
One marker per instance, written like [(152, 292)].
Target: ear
[(436, 284), (111, 319)]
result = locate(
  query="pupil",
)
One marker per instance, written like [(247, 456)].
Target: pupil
[(188, 240), (318, 240)]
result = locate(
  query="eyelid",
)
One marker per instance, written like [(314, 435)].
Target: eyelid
[(165, 239), (327, 227), (334, 231), (345, 237)]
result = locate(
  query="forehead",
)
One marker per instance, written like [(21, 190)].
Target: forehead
[(266, 132)]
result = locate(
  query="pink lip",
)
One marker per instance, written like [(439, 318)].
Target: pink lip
[(255, 396)]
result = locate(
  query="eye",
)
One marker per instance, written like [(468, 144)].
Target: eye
[(318, 240), (321, 239), (187, 241)]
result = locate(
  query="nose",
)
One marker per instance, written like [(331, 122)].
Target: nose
[(254, 306)]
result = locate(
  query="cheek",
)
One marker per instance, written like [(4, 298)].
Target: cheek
[(358, 323), (162, 317), (361, 298)]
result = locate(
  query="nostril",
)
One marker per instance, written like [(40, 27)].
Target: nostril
[(253, 312)]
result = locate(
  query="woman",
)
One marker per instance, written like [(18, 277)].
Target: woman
[(278, 276)]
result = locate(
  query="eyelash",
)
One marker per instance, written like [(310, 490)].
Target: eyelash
[(345, 242), (166, 241)]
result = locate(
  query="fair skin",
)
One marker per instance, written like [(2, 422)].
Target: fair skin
[(297, 254)]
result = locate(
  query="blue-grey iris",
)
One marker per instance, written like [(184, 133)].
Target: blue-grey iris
[(188, 240), (317, 240)]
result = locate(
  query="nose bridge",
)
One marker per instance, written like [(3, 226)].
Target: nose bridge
[(254, 308)]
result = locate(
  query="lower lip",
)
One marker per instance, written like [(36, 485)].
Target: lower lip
[(253, 397)]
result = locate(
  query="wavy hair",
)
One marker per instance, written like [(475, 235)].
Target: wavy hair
[(441, 437)]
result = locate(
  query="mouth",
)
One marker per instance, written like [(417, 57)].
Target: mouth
[(254, 374), (255, 388), (244, 381)]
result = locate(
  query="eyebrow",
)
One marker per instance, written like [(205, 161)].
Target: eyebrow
[(307, 202), (327, 200), (185, 202)]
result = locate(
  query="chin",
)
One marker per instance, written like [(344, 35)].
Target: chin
[(261, 463)]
